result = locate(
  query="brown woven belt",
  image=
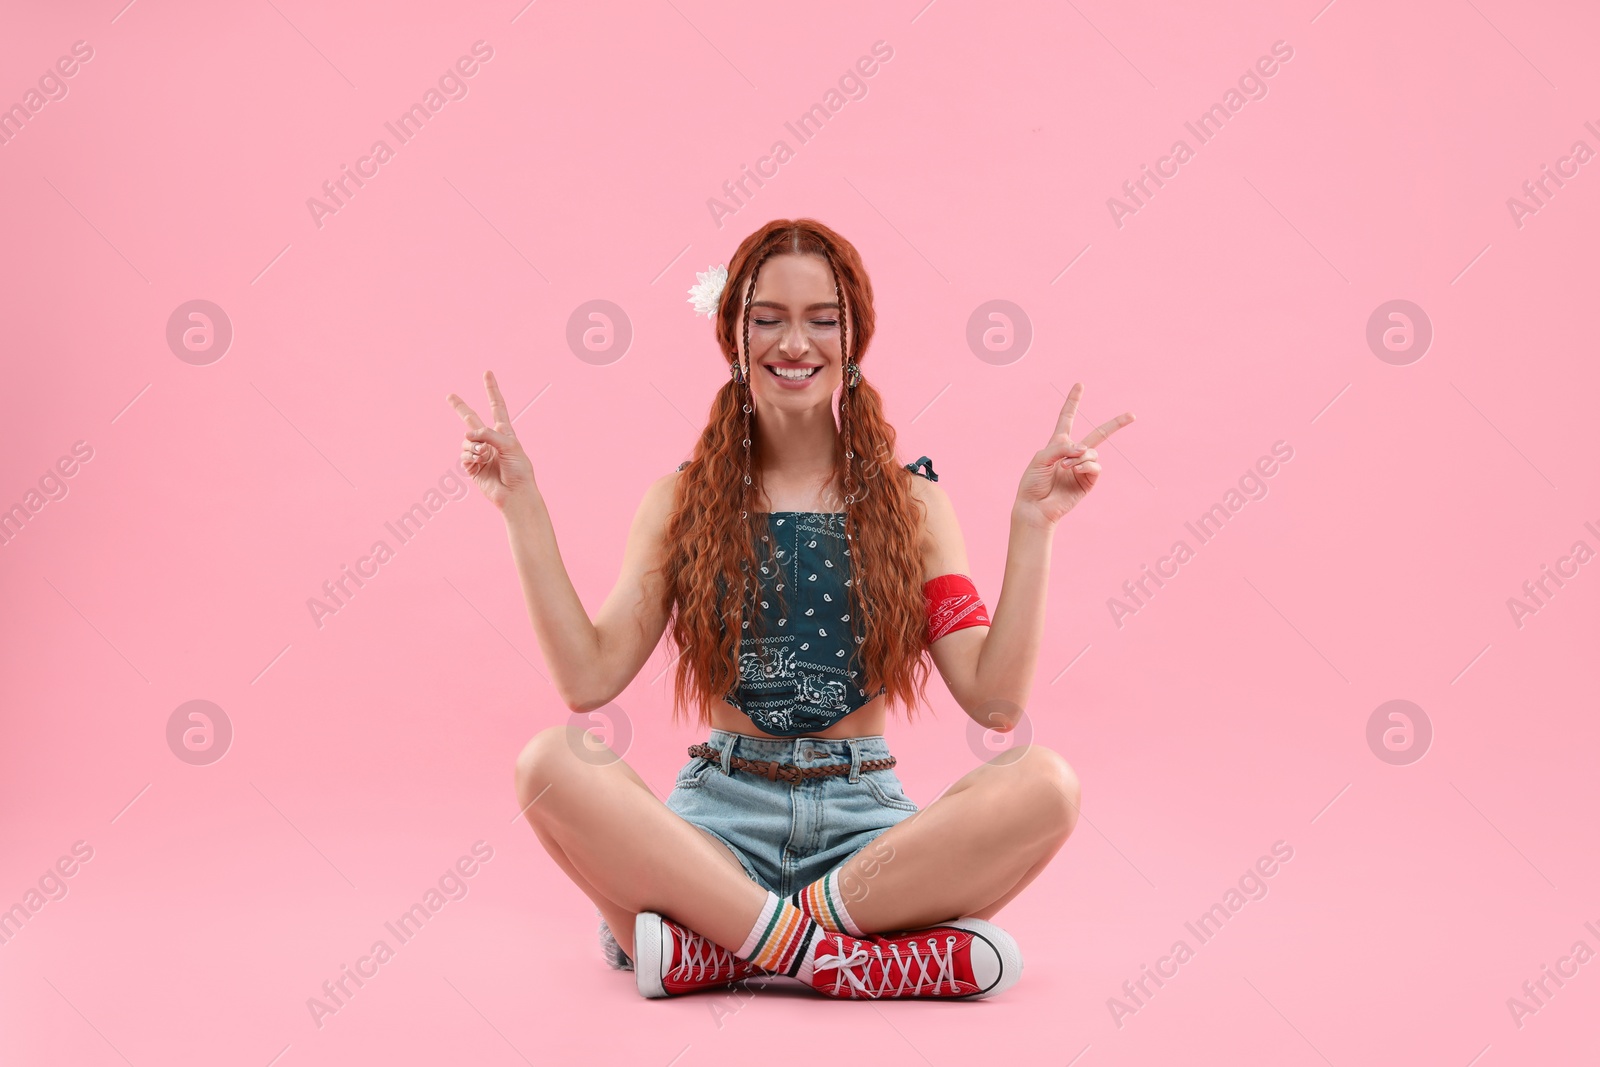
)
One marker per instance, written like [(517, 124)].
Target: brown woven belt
[(789, 772)]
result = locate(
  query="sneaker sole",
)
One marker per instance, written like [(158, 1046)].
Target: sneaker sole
[(647, 950)]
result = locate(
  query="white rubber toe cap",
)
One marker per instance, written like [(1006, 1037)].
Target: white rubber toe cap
[(996, 958)]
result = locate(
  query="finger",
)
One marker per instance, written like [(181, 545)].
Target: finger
[(1087, 472), (466, 413), (497, 403), (1059, 450), (1106, 429), (503, 441), (1069, 410)]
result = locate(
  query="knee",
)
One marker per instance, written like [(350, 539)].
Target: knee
[(540, 761), (1053, 785)]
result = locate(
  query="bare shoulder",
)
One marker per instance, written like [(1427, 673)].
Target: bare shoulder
[(664, 485), (934, 502), (925, 491), (659, 497), (647, 537), (943, 548)]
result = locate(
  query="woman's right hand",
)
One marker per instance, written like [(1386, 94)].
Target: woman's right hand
[(492, 456)]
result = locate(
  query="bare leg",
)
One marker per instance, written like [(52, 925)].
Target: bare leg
[(1022, 883), (969, 852), (618, 918), (627, 851)]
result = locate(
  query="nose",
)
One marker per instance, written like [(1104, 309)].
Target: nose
[(794, 343)]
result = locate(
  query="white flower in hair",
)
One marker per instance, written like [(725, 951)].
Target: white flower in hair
[(706, 295)]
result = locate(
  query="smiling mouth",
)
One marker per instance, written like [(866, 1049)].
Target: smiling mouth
[(811, 372)]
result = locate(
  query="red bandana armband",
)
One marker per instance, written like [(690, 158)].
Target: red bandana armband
[(953, 604)]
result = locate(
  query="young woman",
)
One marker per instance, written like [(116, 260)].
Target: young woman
[(787, 845)]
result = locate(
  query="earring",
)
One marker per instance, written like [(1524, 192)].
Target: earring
[(852, 372), (736, 372)]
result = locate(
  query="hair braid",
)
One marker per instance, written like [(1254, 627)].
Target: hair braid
[(710, 538)]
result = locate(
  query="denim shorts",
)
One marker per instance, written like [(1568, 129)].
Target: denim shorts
[(788, 835)]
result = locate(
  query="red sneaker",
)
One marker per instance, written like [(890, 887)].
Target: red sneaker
[(963, 958), (669, 958)]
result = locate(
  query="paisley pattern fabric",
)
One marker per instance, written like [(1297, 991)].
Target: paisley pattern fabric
[(803, 673), (953, 604)]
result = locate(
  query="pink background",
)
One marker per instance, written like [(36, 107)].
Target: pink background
[(1228, 313)]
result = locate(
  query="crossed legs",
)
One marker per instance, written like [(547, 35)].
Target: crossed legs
[(626, 850), (968, 853)]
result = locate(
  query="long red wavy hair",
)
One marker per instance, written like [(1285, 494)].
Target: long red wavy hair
[(711, 537)]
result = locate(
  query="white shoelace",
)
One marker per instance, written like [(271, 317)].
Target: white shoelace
[(701, 958), (855, 968)]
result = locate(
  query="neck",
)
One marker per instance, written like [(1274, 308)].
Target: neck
[(798, 446)]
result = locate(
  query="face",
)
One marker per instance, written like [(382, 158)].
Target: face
[(794, 329)]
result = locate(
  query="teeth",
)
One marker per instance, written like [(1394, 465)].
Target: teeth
[(794, 374)]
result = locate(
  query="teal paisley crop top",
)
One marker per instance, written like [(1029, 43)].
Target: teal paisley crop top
[(804, 674)]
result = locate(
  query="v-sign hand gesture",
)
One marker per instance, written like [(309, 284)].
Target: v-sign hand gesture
[(492, 455), (1062, 473)]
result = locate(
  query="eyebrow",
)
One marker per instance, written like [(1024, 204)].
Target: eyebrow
[(785, 307)]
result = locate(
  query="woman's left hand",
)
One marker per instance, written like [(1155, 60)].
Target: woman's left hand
[(1062, 473)]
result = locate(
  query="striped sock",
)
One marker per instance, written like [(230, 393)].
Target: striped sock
[(824, 903), (781, 939)]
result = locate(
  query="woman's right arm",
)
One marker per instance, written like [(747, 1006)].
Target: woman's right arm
[(592, 661)]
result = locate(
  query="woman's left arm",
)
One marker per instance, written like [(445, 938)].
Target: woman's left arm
[(989, 669)]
